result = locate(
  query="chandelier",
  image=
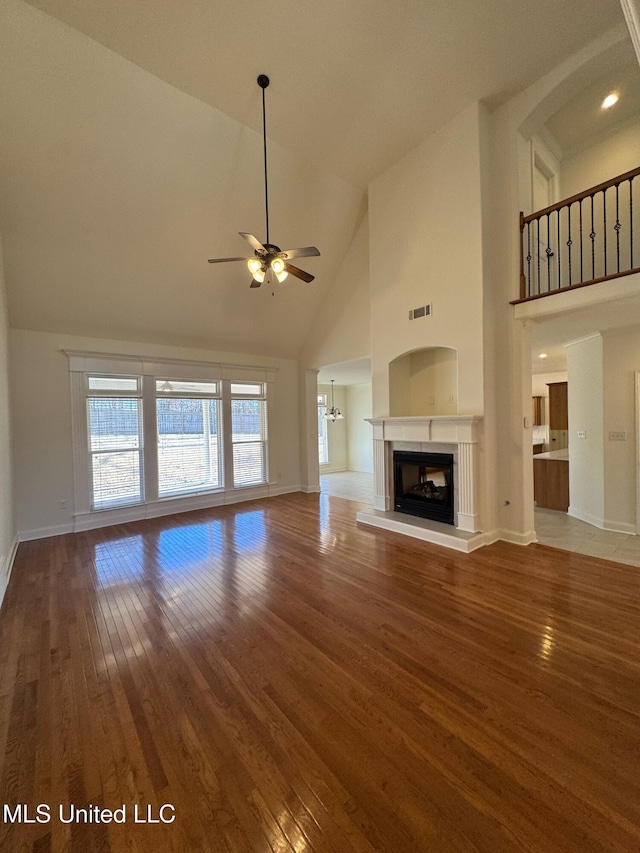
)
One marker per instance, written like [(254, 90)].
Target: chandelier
[(333, 414)]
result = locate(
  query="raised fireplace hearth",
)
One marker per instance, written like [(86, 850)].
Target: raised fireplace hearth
[(423, 484)]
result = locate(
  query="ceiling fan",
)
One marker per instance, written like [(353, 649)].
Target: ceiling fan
[(268, 262)]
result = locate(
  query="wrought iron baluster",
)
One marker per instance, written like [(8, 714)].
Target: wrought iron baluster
[(529, 288), (569, 243), (548, 251), (604, 210), (581, 252), (617, 226), (631, 223), (592, 235), (558, 245), (538, 253)]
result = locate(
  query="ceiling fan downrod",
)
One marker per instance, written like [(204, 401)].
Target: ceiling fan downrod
[(263, 82)]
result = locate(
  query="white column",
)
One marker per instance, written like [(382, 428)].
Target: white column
[(467, 519), (310, 463), (382, 498)]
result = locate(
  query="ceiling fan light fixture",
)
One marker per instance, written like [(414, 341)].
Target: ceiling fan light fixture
[(268, 262), (277, 265)]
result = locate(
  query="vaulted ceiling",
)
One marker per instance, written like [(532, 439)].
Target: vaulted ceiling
[(131, 146)]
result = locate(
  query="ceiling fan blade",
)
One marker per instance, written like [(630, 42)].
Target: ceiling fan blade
[(253, 242), (224, 260), (305, 276), (254, 283), (305, 252)]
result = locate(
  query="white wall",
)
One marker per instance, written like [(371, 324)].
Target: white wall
[(610, 157), (359, 432), (428, 208), (621, 361), (512, 126), (42, 420), (341, 330), (424, 383), (7, 524), (586, 414)]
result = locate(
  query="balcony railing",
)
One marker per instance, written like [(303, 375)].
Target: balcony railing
[(582, 240)]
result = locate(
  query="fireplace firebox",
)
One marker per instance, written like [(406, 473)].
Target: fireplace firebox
[(423, 484)]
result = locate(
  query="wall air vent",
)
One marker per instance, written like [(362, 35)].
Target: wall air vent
[(422, 311)]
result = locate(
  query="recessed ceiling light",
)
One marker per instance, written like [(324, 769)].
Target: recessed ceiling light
[(610, 100), (544, 355)]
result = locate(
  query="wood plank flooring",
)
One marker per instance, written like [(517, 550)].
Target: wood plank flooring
[(285, 681)]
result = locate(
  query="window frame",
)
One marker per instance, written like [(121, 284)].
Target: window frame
[(146, 372), (203, 396), (263, 441), (113, 394)]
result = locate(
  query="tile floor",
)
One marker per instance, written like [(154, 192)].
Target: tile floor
[(553, 528)]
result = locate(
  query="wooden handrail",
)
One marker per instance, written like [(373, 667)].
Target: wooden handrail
[(580, 196)]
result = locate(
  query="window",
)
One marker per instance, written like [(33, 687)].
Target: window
[(249, 433), (149, 431), (188, 418), (114, 425), (323, 439)]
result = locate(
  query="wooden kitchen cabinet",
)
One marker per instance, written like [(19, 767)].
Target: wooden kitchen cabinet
[(536, 411), (551, 483), (558, 409)]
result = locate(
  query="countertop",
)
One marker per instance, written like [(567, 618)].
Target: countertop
[(558, 455)]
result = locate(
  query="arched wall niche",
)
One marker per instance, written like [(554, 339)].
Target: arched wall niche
[(424, 382)]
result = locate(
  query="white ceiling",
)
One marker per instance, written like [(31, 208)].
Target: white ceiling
[(582, 120), (131, 148), (354, 85), (356, 372)]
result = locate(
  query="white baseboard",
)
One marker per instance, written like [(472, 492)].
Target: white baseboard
[(309, 490), (491, 536), (6, 568), (603, 523), (158, 509), (620, 527), (44, 532), (594, 520), (516, 538)]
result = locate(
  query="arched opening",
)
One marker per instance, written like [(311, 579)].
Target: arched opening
[(424, 382)]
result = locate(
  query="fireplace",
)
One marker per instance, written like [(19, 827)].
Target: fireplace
[(423, 484)]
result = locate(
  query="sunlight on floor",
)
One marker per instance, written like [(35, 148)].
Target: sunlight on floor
[(352, 485)]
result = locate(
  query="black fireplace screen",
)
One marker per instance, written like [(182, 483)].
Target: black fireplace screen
[(423, 484)]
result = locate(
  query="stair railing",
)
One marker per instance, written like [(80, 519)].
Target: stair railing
[(581, 240)]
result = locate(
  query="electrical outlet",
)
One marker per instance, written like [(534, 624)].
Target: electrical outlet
[(432, 401), (618, 436), (527, 422), (582, 433), (63, 504)]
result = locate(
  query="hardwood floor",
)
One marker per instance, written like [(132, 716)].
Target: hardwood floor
[(289, 681)]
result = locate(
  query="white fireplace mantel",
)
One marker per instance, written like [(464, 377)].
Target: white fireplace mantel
[(462, 434)]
